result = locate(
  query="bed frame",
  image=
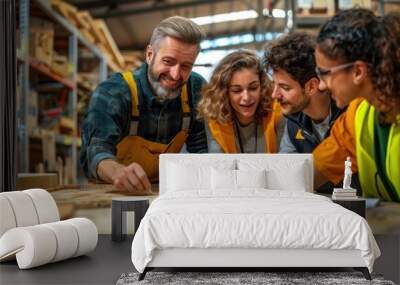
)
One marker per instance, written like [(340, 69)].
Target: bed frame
[(245, 259), (242, 259)]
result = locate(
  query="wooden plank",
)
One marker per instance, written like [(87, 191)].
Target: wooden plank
[(82, 18), (92, 195), (110, 61), (85, 16), (110, 42), (93, 29), (68, 11), (88, 35)]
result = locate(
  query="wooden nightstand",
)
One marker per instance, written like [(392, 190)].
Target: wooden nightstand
[(355, 205)]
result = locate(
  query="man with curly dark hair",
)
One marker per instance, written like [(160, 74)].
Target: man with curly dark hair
[(358, 60), (310, 112)]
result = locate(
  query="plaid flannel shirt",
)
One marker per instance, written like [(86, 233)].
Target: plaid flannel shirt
[(108, 118)]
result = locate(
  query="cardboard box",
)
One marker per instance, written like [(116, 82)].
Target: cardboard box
[(60, 64), (37, 180), (41, 40)]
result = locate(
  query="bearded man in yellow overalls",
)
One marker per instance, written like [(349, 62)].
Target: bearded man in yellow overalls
[(136, 115)]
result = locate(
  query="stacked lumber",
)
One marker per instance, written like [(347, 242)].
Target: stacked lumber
[(133, 60), (94, 31)]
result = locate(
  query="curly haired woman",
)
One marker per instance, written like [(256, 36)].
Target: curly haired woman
[(237, 103), (358, 60)]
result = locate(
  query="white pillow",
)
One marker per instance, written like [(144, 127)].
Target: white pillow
[(281, 175), (251, 178), (279, 180), (235, 179), (183, 177), (223, 179), (194, 175)]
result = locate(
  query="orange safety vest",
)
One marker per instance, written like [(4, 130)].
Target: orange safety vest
[(353, 135), (225, 136)]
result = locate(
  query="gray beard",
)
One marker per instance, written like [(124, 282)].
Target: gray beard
[(162, 94)]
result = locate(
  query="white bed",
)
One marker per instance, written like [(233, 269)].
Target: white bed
[(247, 210)]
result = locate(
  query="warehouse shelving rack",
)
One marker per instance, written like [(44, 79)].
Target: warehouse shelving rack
[(26, 64)]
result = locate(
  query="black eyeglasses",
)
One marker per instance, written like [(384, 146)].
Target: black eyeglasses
[(321, 73)]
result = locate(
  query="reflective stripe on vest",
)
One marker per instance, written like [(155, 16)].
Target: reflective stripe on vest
[(364, 126), (225, 137), (128, 76)]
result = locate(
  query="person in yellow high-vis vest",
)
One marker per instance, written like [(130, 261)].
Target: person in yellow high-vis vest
[(358, 60), (135, 116), (237, 105)]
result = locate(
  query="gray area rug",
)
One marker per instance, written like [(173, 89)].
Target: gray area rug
[(229, 278)]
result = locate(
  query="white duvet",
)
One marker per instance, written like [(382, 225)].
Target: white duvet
[(253, 218)]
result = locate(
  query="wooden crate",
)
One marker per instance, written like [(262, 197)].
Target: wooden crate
[(41, 40)]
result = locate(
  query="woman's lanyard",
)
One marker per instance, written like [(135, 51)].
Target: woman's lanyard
[(240, 137)]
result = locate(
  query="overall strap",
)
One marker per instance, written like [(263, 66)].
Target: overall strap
[(133, 88), (135, 101), (185, 108)]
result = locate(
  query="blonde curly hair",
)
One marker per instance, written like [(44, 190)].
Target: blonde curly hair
[(215, 105)]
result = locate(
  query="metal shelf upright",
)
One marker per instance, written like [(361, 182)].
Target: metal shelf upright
[(22, 113)]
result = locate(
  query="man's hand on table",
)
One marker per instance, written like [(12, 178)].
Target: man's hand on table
[(125, 178)]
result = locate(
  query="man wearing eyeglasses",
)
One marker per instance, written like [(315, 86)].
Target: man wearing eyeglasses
[(310, 112)]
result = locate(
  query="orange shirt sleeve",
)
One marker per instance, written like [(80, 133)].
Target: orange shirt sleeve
[(330, 155)]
